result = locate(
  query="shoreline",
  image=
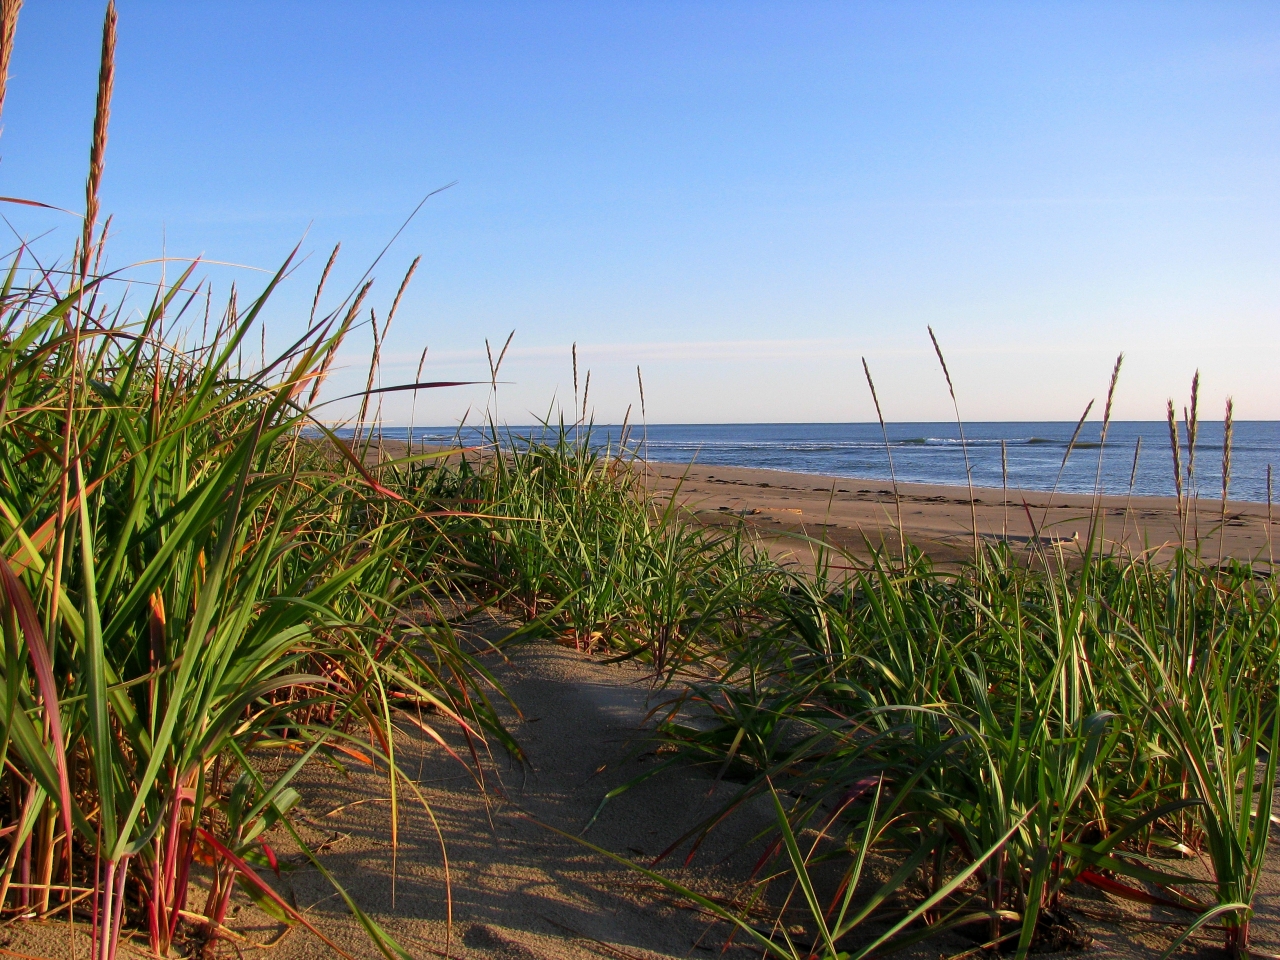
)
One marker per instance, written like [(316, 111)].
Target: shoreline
[(792, 511), (782, 506), (930, 452)]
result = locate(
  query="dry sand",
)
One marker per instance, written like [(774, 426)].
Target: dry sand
[(784, 508), (521, 892)]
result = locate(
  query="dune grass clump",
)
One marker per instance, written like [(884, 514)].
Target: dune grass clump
[(1034, 731), (191, 587), (188, 584), (560, 532)]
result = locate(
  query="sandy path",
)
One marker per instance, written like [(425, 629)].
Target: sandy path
[(519, 889), (521, 892)]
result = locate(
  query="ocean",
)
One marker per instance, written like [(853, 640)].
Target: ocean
[(933, 453)]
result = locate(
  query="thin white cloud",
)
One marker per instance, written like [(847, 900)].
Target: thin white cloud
[(701, 351)]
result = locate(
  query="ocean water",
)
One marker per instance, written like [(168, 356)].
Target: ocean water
[(933, 452)]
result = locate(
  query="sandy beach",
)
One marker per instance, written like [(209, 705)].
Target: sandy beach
[(788, 509)]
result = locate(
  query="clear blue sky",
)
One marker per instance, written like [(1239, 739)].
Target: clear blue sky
[(743, 198)]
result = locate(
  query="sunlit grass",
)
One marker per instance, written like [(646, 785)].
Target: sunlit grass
[(1032, 721)]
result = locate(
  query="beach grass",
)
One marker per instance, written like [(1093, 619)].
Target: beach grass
[(190, 584), (1034, 720), (192, 591)]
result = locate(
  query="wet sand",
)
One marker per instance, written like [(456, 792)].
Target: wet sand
[(793, 512), (789, 510)]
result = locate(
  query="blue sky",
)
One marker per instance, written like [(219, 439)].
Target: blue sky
[(742, 198)]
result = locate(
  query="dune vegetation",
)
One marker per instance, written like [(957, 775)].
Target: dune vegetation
[(1035, 720), (188, 584), (199, 573)]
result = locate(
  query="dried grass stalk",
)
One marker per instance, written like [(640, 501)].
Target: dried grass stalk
[(8, 28), (98, 149)]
